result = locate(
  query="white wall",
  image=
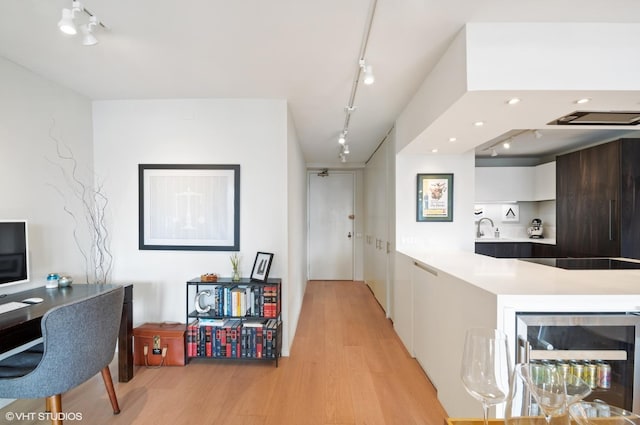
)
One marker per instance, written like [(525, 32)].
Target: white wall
[(31, 108), (458, 234), (296, 231), (252, 133)]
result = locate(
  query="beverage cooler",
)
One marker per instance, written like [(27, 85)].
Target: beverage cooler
[(601, 348)]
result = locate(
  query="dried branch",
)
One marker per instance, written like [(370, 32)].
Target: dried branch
[(93, 203)]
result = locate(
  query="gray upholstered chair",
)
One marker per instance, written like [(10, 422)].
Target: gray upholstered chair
[(79, 341)]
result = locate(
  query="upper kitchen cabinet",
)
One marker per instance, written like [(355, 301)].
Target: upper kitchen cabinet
[(544, 188), (598, 201), (500, 184)]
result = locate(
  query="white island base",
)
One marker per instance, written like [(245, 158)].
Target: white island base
[(438, 296)]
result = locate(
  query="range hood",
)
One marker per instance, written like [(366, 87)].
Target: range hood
[(625, 118)]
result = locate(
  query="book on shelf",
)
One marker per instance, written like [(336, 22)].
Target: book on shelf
[(192, 339)]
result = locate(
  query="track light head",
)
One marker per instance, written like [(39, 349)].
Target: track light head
[(346, 150), (537, 134), (65, 24), (494, 152), (88, 38), (369, 78), (343, 138)]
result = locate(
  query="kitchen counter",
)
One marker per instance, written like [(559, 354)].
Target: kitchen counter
[(546, 241), (506, 276), (438, 295)]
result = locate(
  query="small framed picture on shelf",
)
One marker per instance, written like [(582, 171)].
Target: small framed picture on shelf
[(261, 266)]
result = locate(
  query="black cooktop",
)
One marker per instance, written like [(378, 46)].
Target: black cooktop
[(585, 263)]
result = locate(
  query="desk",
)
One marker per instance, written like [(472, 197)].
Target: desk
[(20, 326)]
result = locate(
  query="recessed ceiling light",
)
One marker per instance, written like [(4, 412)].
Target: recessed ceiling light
[(583, 100), (478, 123), (434, 150), (452, 139), (513, 101)]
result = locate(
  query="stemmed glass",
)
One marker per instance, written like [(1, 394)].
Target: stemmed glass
[(548, 388), (486, 367), (552, 390)]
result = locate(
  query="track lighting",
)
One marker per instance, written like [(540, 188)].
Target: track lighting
[(369, 78), (494, 152), (68, 25), (364, 70), (507, 144)]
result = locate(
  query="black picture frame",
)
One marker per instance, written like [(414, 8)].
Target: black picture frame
[(261, 266), (193, 207), (434, 197)]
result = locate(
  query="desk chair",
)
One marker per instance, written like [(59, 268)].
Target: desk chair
[(79, 341)]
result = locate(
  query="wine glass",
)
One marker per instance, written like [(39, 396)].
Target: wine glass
[(548, 388), (486, 367), (551, 389)]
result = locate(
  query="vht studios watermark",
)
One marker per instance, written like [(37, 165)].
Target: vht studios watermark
[(42, 416)]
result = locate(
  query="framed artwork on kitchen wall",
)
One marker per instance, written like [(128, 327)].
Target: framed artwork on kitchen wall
[(434, 197), (189, 207)]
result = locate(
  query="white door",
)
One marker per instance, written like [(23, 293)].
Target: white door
[(331, 209)]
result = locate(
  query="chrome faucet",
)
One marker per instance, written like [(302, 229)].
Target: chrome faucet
[(479, 233)]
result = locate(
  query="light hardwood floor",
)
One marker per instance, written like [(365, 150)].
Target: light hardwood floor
[(346, 366)]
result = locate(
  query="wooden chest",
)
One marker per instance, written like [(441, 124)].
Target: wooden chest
[(159, 344)]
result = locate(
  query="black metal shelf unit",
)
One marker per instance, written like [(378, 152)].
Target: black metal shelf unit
[(234, 320)]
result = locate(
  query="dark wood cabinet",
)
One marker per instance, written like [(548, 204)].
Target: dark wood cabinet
[(543, 250), (504, 249), (596, 201), (630, 199)]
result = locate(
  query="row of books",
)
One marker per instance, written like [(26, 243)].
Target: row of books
[(245, 300), (233, 338)]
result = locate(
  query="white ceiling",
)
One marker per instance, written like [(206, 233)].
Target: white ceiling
[(305, 51)]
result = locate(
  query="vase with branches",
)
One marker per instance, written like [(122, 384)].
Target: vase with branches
[(90, 211)]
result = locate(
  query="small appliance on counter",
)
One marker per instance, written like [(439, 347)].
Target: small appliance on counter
[(535, 231)]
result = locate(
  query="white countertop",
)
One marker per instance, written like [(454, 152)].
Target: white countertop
[(506, 276), (546, 241)]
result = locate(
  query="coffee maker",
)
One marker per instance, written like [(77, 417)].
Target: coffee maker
[(535, 231)]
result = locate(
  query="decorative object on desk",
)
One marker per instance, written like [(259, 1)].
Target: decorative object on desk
[(91, 205), (261, 266), (52, 280), (198, 302), (189, 207), (235, 262), (435, 197), (209, 277), (65, 281), (486, 367)]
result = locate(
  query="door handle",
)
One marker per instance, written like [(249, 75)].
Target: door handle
[(611, 210), (349, 235)]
